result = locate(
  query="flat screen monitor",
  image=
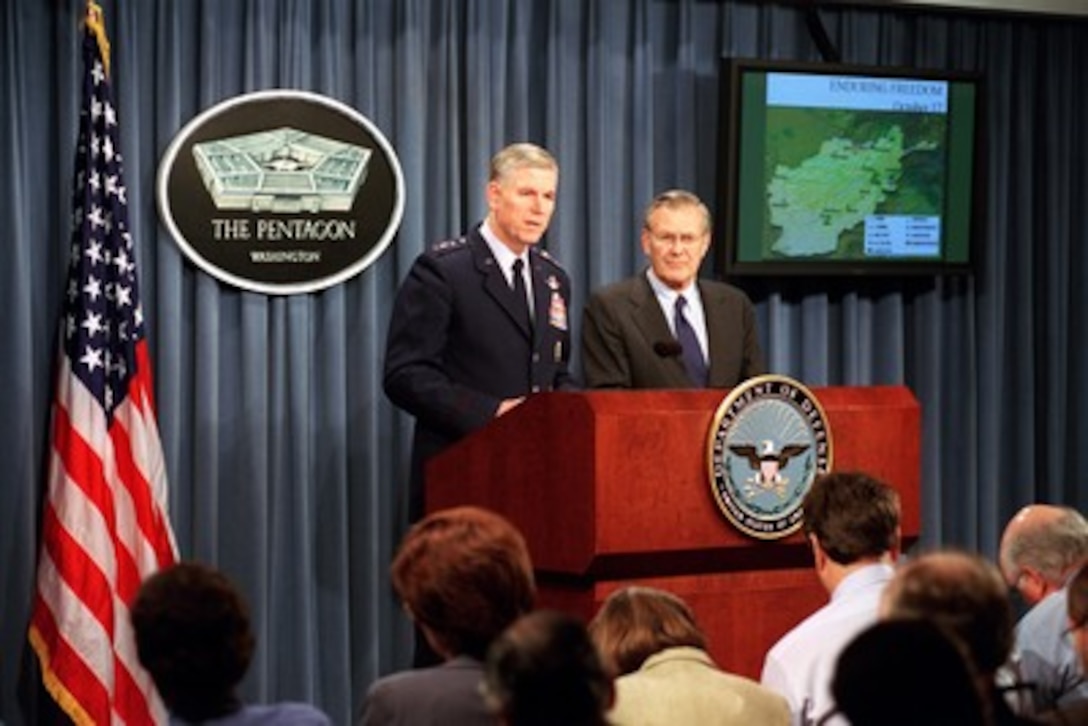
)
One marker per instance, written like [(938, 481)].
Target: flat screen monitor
[(836, 169)]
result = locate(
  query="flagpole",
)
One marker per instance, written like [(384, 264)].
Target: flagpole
[(96, 23)]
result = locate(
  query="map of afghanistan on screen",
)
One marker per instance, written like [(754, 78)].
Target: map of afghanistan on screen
[(851, 167)]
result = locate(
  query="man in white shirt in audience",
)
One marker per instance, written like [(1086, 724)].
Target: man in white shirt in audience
[(852, 523)]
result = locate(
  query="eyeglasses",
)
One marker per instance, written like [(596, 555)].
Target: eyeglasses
[(671, 238)]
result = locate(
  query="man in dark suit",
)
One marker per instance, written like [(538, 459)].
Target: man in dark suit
[(665, 328), (482, 321)]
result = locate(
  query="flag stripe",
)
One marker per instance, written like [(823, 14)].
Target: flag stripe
[(78, 571), (88, 499), (101, 486), (131, 705), (77, 511), (79, 524), (78, 458), (137, 678), (132, 433), (126, 491), (69, 678)]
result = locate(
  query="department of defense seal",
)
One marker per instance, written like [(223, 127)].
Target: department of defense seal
[(768, 441)]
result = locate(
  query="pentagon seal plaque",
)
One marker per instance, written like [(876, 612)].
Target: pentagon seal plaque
[(281, 192), (769, 440)]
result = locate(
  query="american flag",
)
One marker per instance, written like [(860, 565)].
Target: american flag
[(104, 523)]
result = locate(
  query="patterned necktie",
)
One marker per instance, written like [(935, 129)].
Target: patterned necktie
[(521, 297), (689, 345)]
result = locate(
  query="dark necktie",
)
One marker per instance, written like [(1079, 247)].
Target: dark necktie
[(521, 297), (689, 346)]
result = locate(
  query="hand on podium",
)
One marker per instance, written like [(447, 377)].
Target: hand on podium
[(508, 405)]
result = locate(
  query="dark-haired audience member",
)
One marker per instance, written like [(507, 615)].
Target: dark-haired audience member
[(1075, 713), (193, 636), (544, 671), (1041, 547), (464, 575), (907, 673), (965, 595), (851, 520), (650, 640)]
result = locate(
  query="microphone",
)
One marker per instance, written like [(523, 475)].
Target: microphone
[(668, 348)]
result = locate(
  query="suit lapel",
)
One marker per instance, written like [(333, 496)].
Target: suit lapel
[(716, 343), (647, 313), (650, 320)]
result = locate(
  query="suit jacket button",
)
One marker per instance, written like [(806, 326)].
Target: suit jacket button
[(536, 389), (536, 357)]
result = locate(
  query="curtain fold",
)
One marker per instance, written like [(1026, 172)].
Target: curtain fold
[(285, 460)]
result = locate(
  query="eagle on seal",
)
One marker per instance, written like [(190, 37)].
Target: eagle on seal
[(767, 462)]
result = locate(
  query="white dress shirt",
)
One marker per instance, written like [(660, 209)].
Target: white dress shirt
[(801, 664)]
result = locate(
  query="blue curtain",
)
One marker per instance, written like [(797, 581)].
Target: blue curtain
[(286, 462)]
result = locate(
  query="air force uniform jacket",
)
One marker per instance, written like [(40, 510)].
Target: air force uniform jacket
[(457, 345)]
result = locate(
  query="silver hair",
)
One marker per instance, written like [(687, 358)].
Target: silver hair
[(1052, 549), (520, 156)]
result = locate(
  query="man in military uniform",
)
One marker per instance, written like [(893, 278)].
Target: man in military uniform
[(481, 322)]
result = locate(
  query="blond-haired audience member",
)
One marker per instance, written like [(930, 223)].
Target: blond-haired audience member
[(650, 640)]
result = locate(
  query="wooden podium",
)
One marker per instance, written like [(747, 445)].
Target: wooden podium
[(611, 488)]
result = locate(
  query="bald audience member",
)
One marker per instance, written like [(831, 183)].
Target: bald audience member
[(1042, 547), (965, 595)]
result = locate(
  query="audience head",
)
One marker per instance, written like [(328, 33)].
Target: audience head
[(544, 671), (1042, 544), (962, 593), (463, 574), (676, 236), (851, 517), (636, 622), (193, 636), (1078, 613), (906, 673)]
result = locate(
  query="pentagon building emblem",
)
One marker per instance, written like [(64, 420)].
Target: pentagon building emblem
[(284, 170), (281, 192), (768, 441)]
